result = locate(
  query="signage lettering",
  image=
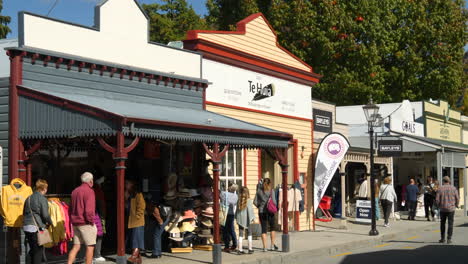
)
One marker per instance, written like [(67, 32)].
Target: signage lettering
[(234, 86), (323, 121), (408, 127), (363, 211), (260, 91), (390, 148)]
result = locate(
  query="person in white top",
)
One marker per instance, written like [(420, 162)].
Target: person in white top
[(387, 196)]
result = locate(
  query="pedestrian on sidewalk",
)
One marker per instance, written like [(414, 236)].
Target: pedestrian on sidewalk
[(435, 208), (376, 197), (82, 210), (429, 197), (411, 199), (387, 198), (362, 190), (267, 219), (36, 218), (136, 219), (244, 217), (160, 221), (99, 218), (447, 199), (229, 233)]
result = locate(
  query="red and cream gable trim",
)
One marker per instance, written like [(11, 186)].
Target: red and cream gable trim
[(254, 43)]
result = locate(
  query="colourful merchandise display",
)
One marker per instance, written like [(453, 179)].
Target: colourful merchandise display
[(12, 202), (61, 229)]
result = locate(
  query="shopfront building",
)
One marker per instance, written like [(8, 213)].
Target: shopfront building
[(256, 80), (104, 99), (431, 139)]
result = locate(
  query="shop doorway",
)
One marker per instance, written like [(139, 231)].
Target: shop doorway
[(271, 169)]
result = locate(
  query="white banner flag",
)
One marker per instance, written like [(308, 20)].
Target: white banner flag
[(329, 156)]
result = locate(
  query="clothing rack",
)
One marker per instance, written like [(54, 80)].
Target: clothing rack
[(57, 195)]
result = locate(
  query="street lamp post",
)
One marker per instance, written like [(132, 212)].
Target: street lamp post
[(371, 111)]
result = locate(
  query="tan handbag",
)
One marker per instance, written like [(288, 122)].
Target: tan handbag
[(43, 236)]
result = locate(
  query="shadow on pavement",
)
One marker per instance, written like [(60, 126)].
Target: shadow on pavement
[(427, 254)]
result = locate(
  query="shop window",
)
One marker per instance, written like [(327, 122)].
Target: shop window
[(231, 169)]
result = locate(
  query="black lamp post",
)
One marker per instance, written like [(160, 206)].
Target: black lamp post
[(371, 111)]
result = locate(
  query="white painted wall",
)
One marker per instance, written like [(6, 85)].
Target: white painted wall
[(122, 37), (4, 59)]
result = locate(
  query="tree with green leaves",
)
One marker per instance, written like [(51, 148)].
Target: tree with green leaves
[(388, 49), (170, 20), (4, 21)]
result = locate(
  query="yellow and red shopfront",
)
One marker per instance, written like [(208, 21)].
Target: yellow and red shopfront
[(256, 80)]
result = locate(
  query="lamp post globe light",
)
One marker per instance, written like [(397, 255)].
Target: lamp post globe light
[(371, 111)]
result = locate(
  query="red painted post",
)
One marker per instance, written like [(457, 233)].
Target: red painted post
[(284, 170), (120, 156), (282, 156), (29, 174), (13, 116), (217, 239), (216, 156)]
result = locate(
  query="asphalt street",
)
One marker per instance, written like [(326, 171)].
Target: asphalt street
[(422, 247)]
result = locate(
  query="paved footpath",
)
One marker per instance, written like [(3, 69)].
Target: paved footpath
[(325, 242)]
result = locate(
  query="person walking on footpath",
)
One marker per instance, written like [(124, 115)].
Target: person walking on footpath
[(99, 218), (82, 210), (447, 199), (387, 198), (267, 219), (429, 197), (244, 217), (229, 233), (136, 220), (36, 218), (411, 199)]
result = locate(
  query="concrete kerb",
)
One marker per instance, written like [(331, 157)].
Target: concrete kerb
[(305, 256)]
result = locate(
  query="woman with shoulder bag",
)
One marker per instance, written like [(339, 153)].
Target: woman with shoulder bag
[(387, 197), (36, 218), (267, 218)]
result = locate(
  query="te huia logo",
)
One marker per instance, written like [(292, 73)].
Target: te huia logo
[(261, 92)]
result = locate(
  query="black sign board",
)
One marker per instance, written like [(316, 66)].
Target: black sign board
[(390, 148), (323, 121)]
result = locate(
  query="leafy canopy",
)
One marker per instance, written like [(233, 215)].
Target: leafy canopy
[(171, 20), (4, 21), (388, 49)]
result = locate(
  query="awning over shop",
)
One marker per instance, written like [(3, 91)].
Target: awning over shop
[(49, 114), (437, 144)]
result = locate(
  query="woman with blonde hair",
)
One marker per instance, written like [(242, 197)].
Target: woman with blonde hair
[(244, 217), (387, 197)]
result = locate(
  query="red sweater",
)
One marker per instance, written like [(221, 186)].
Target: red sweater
[(83, 205)]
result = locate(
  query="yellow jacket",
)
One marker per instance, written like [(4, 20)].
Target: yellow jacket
[(57, 229), (12, 202), (137, 211)]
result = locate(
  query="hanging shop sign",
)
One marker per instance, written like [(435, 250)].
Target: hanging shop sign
[(323, 121), (390, 148), (329, 156), (242, 88), (406, 127), (363, 211)]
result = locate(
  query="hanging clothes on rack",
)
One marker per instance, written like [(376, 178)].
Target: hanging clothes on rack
[(12, 202)]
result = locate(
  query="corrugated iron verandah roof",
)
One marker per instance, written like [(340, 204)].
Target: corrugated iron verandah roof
[(47, 114)]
